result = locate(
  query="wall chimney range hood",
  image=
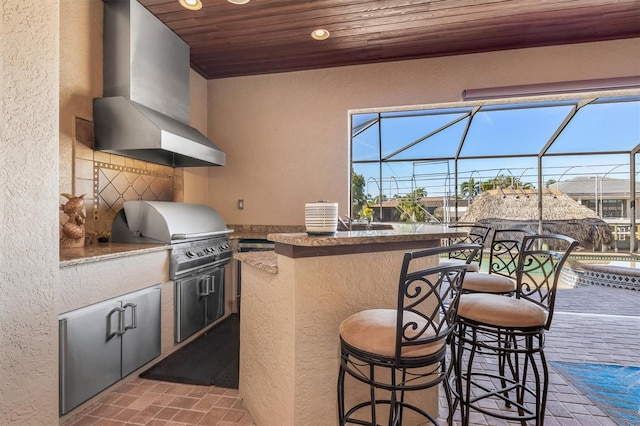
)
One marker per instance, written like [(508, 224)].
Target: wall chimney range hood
[(144, 113)]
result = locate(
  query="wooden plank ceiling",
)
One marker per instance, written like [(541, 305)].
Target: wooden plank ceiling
[(271, 36)]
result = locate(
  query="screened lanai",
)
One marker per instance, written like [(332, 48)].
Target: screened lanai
[(439, 158)]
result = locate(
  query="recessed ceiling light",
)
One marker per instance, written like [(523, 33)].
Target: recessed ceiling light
[(238, 1), (320, 34), (191, 4)]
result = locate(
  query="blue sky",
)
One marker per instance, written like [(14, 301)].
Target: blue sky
[(601, 128)]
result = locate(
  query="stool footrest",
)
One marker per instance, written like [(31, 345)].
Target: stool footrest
[(500, 394), (398, 409)]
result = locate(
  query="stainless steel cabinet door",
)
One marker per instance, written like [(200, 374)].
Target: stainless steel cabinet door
[(89, 352), (215, 299), (141, 340), (190, 300)]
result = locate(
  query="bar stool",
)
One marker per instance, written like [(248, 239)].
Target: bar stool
[(400, 350), (503, 261), (511, 329), (477, 234)]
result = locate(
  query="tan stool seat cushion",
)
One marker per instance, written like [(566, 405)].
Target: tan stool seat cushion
[(488, 283), (472, 267), (501, 311), (374, 331)]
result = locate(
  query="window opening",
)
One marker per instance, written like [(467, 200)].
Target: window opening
[(429, 164)]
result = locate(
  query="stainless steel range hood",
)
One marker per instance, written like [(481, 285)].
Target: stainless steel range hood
[(144, 113)]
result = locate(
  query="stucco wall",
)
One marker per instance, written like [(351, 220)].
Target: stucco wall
[(28, 212), (80, 76), (286, 135), (92, 282), (288, 371), (196, 179)]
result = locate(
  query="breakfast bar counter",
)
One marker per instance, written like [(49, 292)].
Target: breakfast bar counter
[(292, 304)]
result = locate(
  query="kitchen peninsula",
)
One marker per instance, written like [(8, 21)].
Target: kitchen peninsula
[(293, 301)]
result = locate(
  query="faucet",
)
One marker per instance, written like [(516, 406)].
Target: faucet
[(344, 224)]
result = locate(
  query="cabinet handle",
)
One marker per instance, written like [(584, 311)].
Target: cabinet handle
[(120, 329), (134, 315), (203, 286), (212, 282)]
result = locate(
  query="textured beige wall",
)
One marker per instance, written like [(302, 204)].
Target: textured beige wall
[(80, 75), (93, 282), (267, 380), (28, 212), (286, 135), (196, 179)]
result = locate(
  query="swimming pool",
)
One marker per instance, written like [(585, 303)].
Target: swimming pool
[(619, 271)]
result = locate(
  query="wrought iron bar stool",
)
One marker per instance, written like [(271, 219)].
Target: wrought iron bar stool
[(503, 261), (512, 329), (477, 234), (396, 351)]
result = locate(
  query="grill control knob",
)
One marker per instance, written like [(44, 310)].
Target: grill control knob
[(190, 254)]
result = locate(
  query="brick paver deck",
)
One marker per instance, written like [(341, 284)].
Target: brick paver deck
[(591, 324)]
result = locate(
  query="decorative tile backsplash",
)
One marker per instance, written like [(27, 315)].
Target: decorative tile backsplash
[(108, 180), (113, 185)]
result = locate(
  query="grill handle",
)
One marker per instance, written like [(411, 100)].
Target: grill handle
[(200, 235)]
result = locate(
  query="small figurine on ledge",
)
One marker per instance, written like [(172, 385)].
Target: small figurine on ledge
[(73, 230)]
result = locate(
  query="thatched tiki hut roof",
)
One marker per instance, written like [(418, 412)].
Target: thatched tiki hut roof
[(518, 208)]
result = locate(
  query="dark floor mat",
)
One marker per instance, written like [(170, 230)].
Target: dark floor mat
[(613, 388), (211, 359)]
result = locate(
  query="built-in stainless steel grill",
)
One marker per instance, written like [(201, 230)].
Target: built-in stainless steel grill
[(200, 248), (197, 233)]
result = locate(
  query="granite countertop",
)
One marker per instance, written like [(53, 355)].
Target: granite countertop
[(259, 232), (404, 232), (267, 260), (103, 251), (264, 260), (247, 235)]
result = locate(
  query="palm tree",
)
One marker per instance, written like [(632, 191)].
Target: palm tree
[(410, 209), (503, 181), (470, 189)]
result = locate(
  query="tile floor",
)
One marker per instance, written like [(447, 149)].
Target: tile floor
[(591, 324), (155, 403)]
